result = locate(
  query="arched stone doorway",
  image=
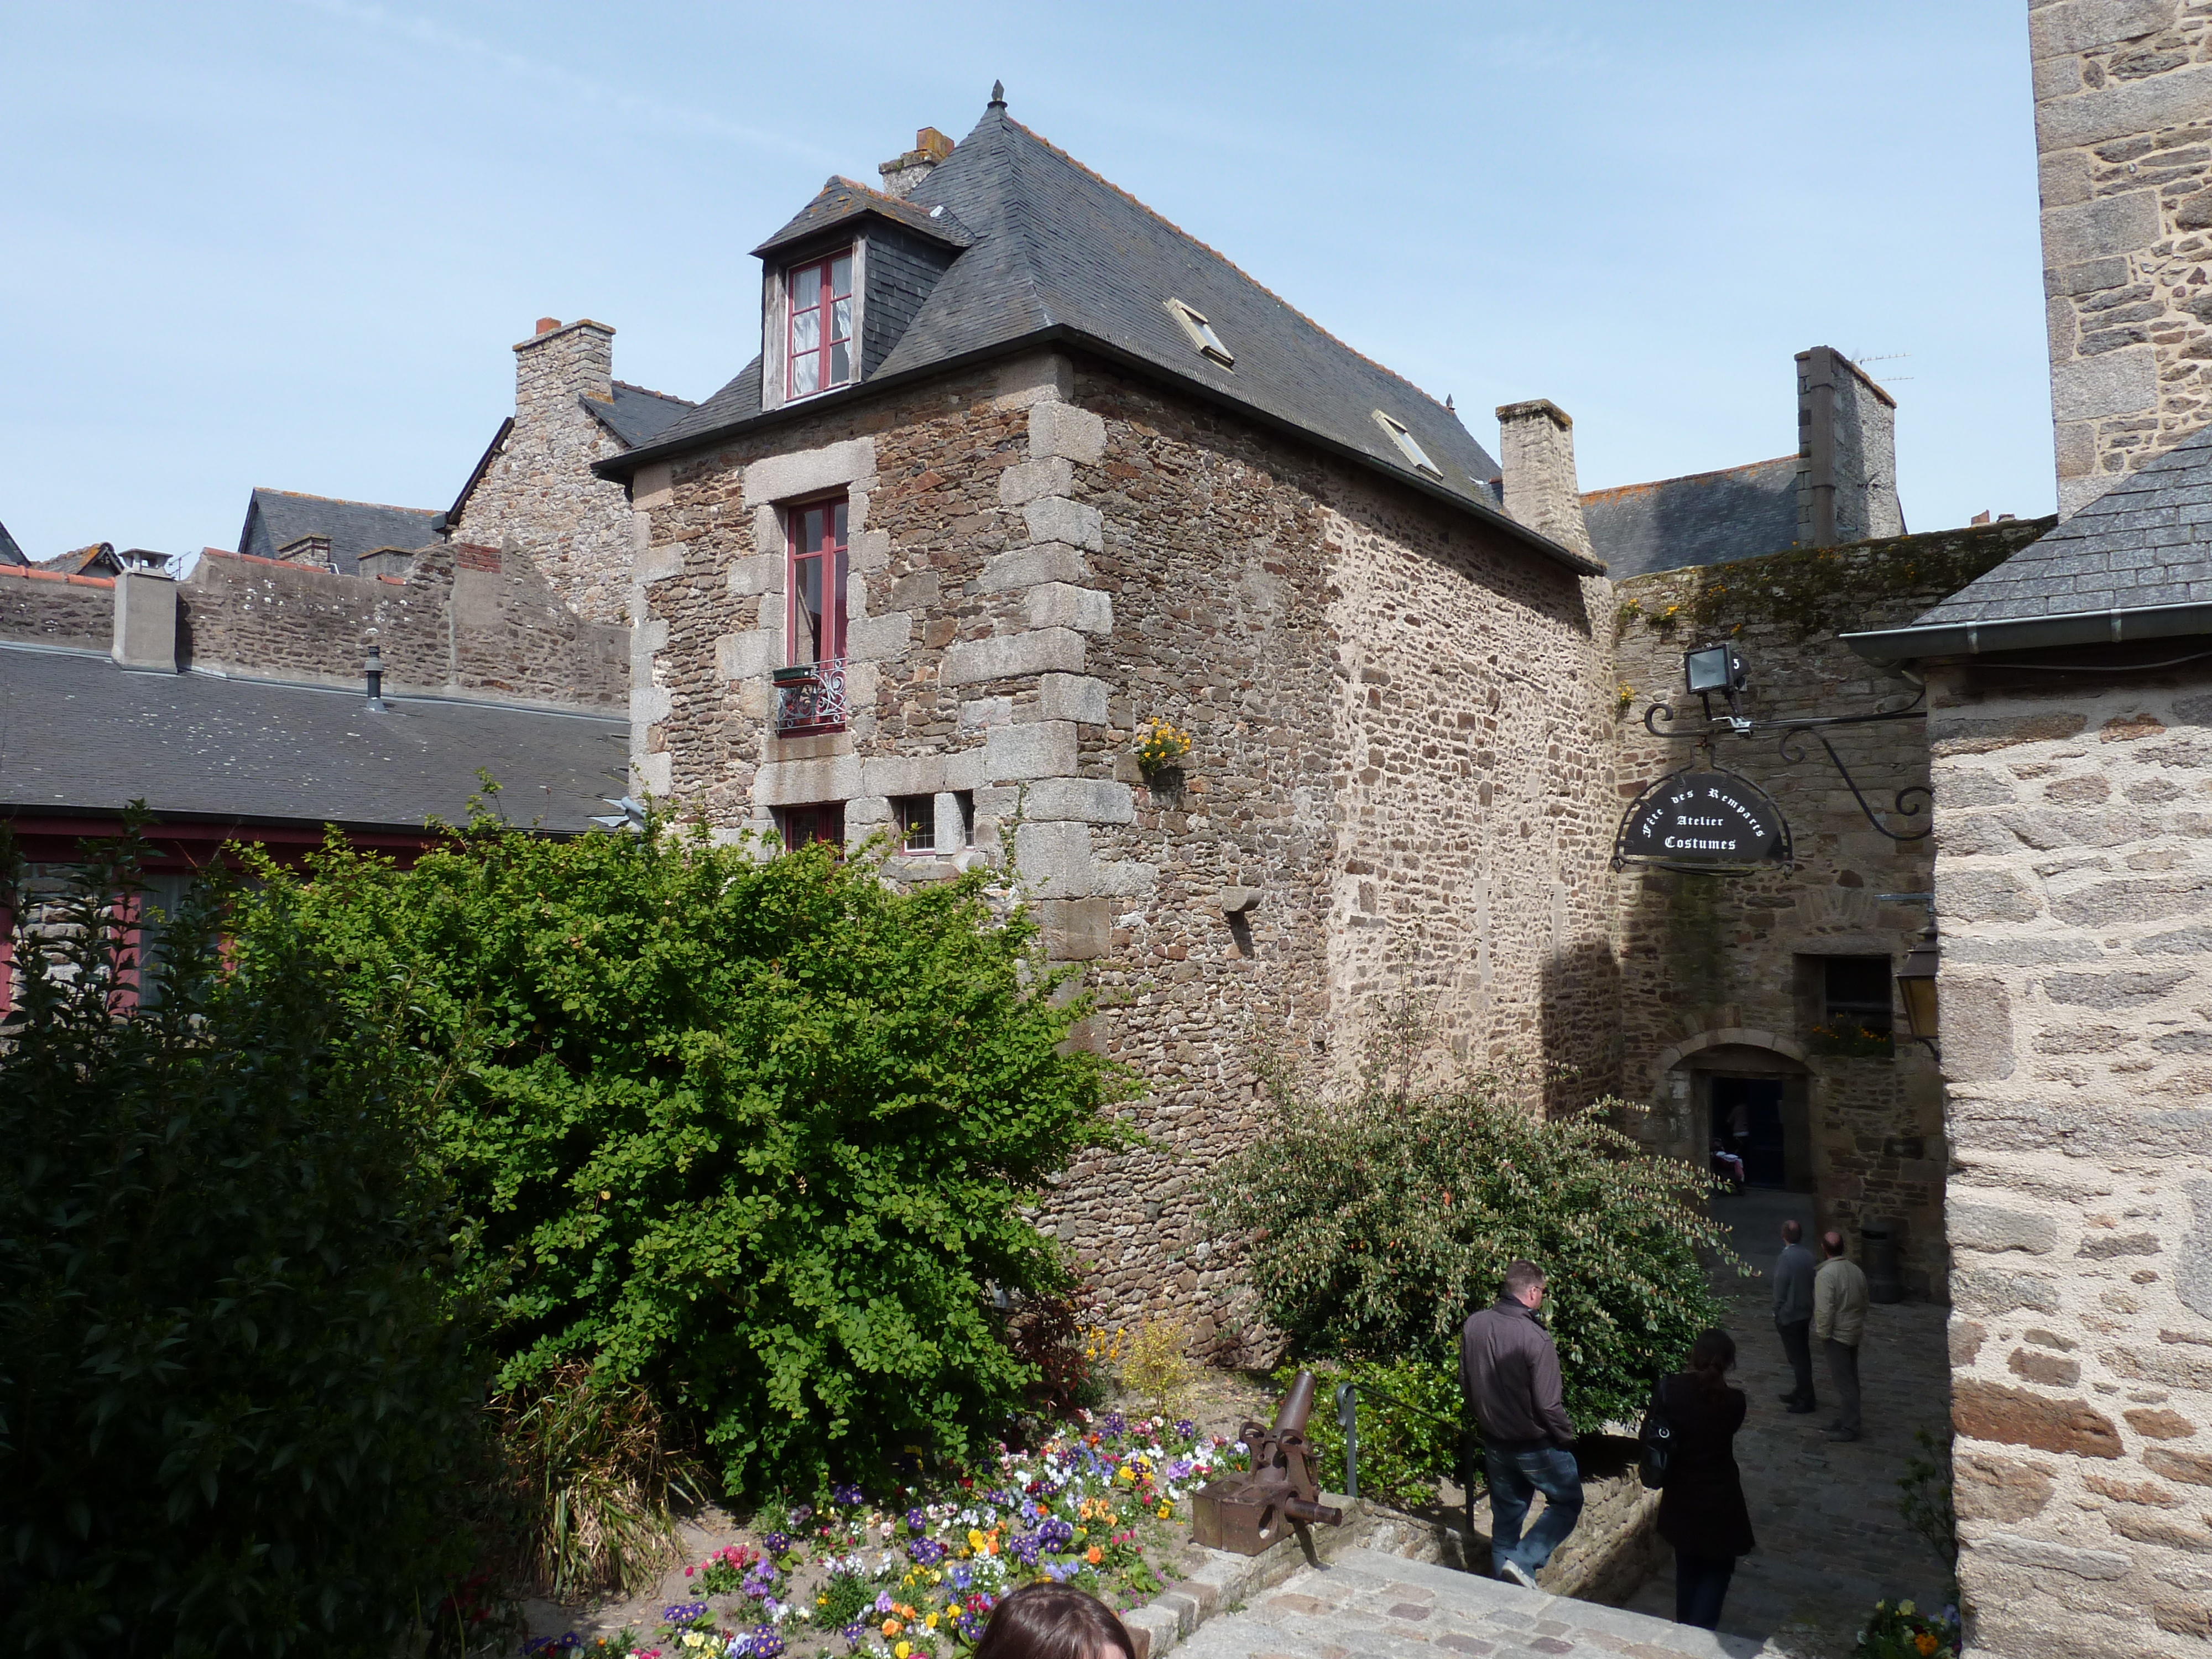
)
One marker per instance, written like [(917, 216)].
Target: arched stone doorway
[(1750, 1089)]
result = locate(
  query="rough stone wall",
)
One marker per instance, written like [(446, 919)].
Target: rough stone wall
[(1710, 966), (2076, 880), (2123, 126), (48, 608), (1846, 445), (539, 496), (464, 620), (1395, 720)]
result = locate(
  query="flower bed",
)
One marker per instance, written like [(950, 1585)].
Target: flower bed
[(1103, 1505)]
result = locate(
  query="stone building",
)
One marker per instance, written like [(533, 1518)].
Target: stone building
[(1022, 468), (2071, 726), (2123, 126), (533, 488)]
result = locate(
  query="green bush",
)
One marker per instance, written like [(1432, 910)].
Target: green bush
[(1378, 1224), (757, 1134), (1408, 1409), (232, 1403)]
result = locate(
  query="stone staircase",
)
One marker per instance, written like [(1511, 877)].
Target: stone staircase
[(1366, 1604)]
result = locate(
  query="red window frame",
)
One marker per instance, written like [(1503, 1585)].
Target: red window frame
[(815, 581), (7, 960), (917, 826), (802, 826), (817, 327)]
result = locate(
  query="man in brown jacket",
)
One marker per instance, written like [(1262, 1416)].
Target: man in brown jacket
[(1840, 1311), (1510, 1373)]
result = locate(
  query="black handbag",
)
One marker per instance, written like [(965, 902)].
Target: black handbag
[(1655, 1442)]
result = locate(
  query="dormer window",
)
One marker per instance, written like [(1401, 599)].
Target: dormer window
[(1202, 333), (820, 302), (1407, 445)]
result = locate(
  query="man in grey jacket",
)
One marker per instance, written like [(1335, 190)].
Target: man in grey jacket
[(1793, 1314), (1839, 1310), (1510, 1373)]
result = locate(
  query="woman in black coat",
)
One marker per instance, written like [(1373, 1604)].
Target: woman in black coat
[(1701, 1507)]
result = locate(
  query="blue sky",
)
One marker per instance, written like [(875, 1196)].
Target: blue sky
[(287, 242)]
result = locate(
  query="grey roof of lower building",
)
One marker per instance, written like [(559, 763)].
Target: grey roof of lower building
[(636, 416), (276, 518), (1059, 253), (2146, 541), (79, 733), (1704, 518)]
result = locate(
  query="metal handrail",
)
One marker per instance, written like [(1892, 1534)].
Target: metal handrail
[(1347, 1418)]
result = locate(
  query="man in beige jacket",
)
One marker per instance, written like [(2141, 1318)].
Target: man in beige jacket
[(1840, 1306)]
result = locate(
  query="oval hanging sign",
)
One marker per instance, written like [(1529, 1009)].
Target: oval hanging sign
[(1708, 820)]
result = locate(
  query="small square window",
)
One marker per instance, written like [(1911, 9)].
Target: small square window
[(1202, 333), (1408, 446), (916, 817), (802, 826)]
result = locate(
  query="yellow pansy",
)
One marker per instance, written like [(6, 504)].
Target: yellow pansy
[(903, 1649)]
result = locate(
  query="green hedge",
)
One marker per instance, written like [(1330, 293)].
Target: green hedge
[(758, 1133)]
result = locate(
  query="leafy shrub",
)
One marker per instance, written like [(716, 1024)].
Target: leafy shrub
[(231, 1401), (1158, 1370), (1408, 1409), (1899, 1630), (756, 1133), (591, 1472), (1926, 1504), (1380, 1223)]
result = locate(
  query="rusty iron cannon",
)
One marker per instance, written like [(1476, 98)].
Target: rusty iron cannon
[(1245, 1513)]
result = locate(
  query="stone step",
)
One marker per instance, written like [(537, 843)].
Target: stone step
[(1368, 1605)]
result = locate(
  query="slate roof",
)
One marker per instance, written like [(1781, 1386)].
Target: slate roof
[(1060, 253), (77, 732), (1705, 517), (277, 518), (843, 200), (2146, 541), (97, 560), (636, 416), (9, 553)]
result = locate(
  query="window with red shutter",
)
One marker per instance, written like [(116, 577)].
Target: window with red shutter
[(819, 353)]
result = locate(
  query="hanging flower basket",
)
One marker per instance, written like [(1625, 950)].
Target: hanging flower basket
[(1160, 746)]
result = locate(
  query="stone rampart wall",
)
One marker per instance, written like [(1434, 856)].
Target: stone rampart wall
[(48, 608), (2075, 868), (464, 620), (1045, 557), (2123, 126)]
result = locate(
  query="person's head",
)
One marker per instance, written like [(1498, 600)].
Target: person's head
[(1792, 1230), (1524, 1283), (1045, 1621), (1833, 1242), (1712, 1357)]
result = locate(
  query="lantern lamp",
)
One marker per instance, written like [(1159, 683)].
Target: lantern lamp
[(1916, 986)]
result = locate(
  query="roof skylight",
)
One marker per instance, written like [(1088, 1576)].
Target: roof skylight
[(1407, 445), (1202, 333)]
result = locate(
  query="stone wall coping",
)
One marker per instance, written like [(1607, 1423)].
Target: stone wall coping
[(26, 571)]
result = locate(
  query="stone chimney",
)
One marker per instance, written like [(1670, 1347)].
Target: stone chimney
[(560, 363), (902, 173), (1846, 452), (1536, 451), (145, 621)]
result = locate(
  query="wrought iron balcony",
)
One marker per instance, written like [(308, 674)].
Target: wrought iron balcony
[(810, 697)]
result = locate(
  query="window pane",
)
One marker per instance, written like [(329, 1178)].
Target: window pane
[(840, 319), (810, 530), (805, 374), (840, 274), (806, 288), (806, 331), (838, 512), (840, 363), (806, 574)]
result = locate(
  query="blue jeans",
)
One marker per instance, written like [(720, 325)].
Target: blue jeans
[(1700, 1587), (1514, 1478)]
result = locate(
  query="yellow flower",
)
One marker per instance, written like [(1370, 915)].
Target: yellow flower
[(976, 1540), (930, 1623), (903, 1649), (1924, 1642), (1167, 1510), (1127, 1477)]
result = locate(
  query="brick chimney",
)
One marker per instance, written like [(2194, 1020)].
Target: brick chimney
[(902, 173), (560, 363), (1536, 451), (1846, 452)]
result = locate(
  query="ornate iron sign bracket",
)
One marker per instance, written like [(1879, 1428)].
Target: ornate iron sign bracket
[(1907, 803)]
